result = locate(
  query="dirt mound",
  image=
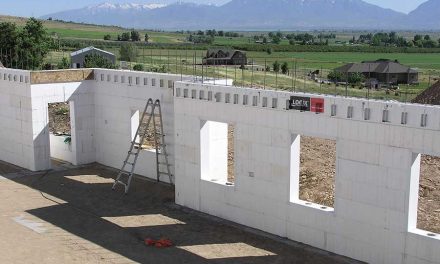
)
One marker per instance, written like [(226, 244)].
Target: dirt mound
[(429, 96)]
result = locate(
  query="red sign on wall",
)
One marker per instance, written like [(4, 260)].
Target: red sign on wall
[(317, 105)]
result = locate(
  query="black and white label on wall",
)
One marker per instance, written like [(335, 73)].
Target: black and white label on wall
[(306, 104), (300, 103)]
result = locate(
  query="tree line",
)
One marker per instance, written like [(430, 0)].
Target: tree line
[(25, 47), (392, 39)]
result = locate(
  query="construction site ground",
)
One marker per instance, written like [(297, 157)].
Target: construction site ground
[(71, 215)]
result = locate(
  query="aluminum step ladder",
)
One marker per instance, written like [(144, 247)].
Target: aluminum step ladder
[(163, 167)]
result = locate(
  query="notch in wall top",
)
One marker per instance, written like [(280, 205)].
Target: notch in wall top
[(62, 76)]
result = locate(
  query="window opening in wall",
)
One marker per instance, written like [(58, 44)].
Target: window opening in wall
[(217, 152), (60, 132), (148, 142), (428, 211), (313, 169)]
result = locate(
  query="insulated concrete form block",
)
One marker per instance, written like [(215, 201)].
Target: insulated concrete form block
[(374, 161)]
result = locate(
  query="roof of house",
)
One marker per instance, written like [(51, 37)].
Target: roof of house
[(379, 66), (229, 53), (89, 49)]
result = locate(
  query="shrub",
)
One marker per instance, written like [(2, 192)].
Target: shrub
[(138, 67)]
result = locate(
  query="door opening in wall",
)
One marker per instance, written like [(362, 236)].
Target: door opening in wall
[(217, 152), (312, 173), (60, 132), (428, 211)]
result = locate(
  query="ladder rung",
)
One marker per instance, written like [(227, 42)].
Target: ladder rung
[(161, 163), (122, 183), (129, 163), (165, 173)]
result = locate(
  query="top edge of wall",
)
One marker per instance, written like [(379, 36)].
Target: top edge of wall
[(61, 76)]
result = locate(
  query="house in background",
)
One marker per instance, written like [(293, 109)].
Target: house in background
[(225, 57), (382, 71), (77, 58)]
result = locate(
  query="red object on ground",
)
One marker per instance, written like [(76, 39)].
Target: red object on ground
[(149, 242), (161, 243)]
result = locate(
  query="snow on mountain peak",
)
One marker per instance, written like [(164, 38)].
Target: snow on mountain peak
[(125, 6)]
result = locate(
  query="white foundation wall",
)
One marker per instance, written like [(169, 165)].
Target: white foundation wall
[(119, 94), (376, 182), (80, 96), (61, 150), (15, 118)]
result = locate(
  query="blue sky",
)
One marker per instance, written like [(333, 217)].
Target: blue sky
[(43, 7)]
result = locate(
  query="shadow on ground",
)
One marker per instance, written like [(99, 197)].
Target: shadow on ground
[(92, 211)]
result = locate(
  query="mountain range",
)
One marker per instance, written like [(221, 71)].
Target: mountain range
[(257, 15)]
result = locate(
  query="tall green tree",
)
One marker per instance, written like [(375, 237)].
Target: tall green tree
[(8, 43), (285, 68), (135, 36), (97, 61), (147, 37), (125, 36), (276, 66), (33, 45), (128, 52)]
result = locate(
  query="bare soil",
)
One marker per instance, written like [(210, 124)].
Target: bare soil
[(317, 170), (59, 118)]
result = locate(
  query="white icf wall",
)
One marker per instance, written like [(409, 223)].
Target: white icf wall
[(15, 118), (80, 96), (377, 169), (120, 96), (60, 149)]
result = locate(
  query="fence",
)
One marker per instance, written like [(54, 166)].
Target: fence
[(298, 75)]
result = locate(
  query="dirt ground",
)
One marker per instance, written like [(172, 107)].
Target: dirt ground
[(71, 215), (59, 118)]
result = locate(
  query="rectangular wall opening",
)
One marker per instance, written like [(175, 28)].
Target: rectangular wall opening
[(60, 132), (428, 211), (217, 152), (312, 173), (148, 142)]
